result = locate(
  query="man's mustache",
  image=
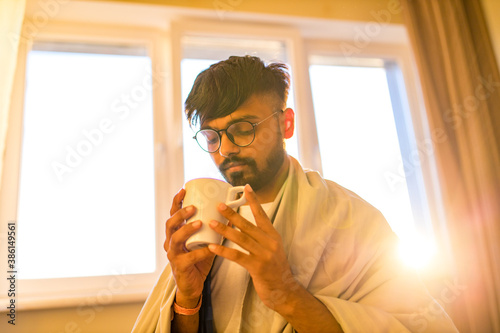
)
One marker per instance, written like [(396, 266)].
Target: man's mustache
[(236, 159)]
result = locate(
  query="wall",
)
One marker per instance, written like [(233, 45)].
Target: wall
[(120, 317), (99, 319), (356, 10)]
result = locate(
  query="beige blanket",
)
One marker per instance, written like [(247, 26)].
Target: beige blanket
[(344, 252)]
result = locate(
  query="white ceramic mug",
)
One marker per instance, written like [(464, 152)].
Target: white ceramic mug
[(205, 194)]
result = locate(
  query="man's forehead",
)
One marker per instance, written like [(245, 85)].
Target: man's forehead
[(253, 108), (234, 117)]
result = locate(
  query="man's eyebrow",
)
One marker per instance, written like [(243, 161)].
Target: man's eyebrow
[(247, 117)]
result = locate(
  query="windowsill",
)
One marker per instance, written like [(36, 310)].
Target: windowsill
[(81, 301)]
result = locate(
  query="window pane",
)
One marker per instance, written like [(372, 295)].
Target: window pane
[(197, 163), (86, 204), (358, 138)]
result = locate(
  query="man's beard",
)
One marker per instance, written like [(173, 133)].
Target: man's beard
[(252, 175)]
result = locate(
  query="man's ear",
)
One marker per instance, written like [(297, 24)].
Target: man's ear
[(289, 123)]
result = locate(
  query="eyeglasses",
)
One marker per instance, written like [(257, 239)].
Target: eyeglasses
[(241, 134)]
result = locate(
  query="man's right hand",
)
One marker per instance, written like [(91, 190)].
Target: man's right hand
[(189, 269)]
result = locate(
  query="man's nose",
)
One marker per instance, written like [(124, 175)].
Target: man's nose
[(227, 147)]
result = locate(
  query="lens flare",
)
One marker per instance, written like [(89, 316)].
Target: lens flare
[(417, 251)]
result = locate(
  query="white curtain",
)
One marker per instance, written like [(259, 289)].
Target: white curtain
[(11, 21), (461, 85)]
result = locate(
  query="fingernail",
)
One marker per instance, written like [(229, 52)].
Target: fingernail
[(222, 205), (213, 223), (249, 188), (197, 224), (212, 247), (189, 209)]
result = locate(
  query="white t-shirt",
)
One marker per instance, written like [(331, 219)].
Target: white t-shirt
[(228, 294)]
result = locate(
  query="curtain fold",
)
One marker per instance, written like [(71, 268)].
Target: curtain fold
[(461, 86), (11, 20)]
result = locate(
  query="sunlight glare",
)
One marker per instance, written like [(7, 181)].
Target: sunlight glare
[(417, 251)]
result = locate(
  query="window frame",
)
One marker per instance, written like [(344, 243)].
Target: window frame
[(392, 47), (94, 290), (398, 60), (290, 37)]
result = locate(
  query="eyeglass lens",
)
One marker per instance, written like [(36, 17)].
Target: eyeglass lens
[(241, 134)]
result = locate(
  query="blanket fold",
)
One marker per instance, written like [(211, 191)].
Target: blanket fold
[(343, 251)]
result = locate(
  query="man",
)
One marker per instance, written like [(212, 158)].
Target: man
[(305, 255)]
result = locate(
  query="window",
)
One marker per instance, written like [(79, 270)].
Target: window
[(363, 134), (87, 164), (83, 154)]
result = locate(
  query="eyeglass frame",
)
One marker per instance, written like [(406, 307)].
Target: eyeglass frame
[(229, 136)]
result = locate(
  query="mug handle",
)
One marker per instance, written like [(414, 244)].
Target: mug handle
[(231, 195)]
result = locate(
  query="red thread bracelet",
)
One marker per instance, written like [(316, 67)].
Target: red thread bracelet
[(187, 312)]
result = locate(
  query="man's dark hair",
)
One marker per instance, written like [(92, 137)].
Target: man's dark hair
[(226, 85)]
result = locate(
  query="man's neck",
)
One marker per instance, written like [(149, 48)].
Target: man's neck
[(269, 192)]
